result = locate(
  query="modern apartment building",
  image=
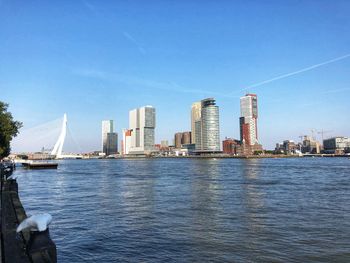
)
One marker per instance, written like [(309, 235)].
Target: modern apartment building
[(337, 145), (248, 120), (142, 123)]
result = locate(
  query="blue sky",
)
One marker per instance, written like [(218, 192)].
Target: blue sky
[(97, 60)]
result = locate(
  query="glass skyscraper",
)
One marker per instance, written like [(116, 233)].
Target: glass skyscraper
[(207, 127)]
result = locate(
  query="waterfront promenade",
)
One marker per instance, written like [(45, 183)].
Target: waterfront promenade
[(25, 246)]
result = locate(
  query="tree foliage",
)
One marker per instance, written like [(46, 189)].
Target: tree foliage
[(8, 129)]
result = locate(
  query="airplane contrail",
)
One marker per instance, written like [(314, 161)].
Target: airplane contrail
[(296, 72)]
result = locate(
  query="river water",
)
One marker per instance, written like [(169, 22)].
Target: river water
[(195, 210)]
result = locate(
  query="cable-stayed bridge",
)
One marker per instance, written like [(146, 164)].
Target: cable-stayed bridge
[(57, 149), (48, 138)]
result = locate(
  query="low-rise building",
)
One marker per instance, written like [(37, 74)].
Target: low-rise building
[(337, 145), (190, 148), (245, 149), (310, 145), (229, 146), (287, 147)]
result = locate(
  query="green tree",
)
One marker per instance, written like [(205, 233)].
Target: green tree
[(8, 129)]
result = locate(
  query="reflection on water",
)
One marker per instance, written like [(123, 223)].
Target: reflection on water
[(253, 197), (195, 210)]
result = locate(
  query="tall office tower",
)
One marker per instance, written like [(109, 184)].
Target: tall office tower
[(195, 117), (248, 119), (142, 123), (210, 126), (107, 127)]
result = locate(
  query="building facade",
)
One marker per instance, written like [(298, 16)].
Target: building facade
[(182, 138), (249, 119), (230, 146), (198, 134), (178, 140), (337, 145), (310, 145), (207, 127), (186, 137), (195, 117), (142, 123), (112, 143), (109, 138), (126, 141), (287, 147)]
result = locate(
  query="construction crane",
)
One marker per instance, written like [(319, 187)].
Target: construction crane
[(322, 132)]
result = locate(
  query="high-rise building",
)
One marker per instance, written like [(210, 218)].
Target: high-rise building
[(248, 119), (142, 123), (107, 127), (210, 125), (195, 117), (112, 143), (207, 137), (109, 138)]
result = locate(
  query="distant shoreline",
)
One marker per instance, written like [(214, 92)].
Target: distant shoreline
[(223, 157), (239, 157), (270, 156)]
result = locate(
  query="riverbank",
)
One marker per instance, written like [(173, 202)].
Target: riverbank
[(203, 156), (224, 156)]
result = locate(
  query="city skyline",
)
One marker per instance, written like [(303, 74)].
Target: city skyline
[(97, 63)]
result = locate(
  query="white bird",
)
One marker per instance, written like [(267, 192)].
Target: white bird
[(37, 222), (13, 177)]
